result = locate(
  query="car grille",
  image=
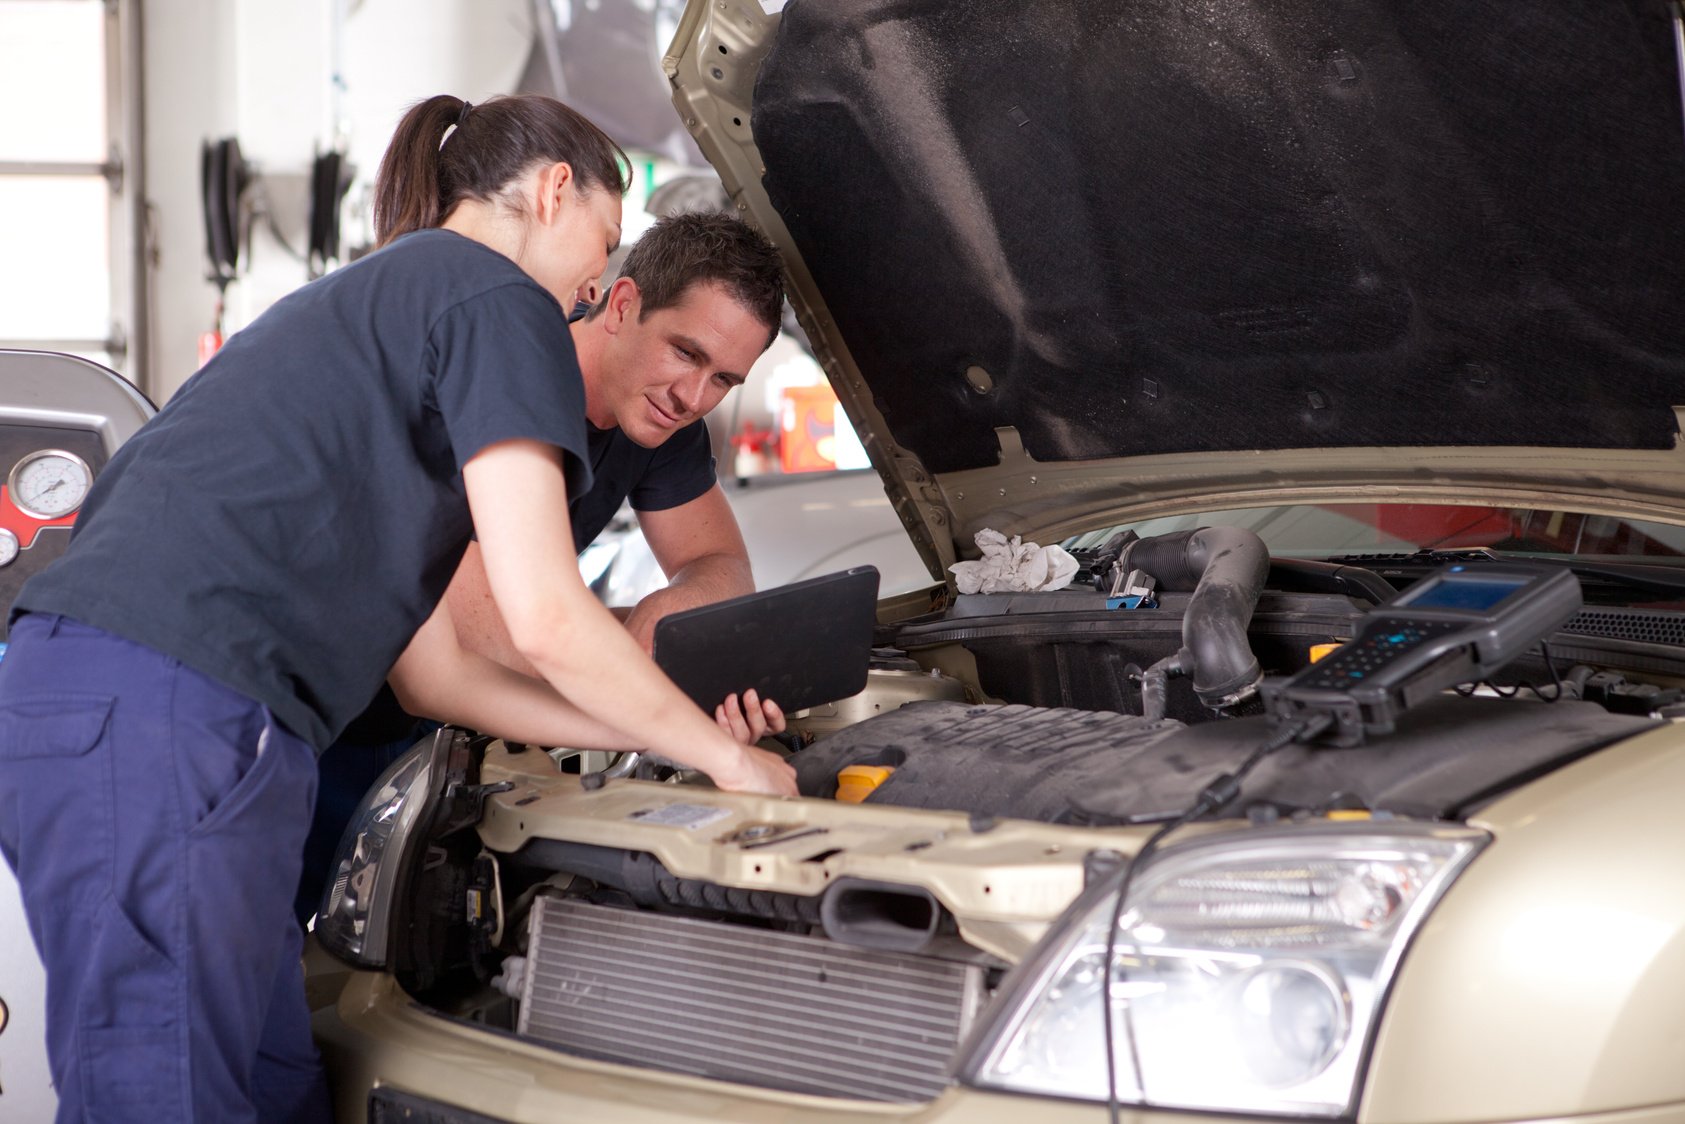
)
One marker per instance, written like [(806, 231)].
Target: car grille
[(751, 1006), (1648, 626)]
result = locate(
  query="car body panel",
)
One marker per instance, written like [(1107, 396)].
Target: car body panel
[(1575, 917), (731, 40)]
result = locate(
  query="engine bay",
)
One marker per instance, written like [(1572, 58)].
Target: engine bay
[(1008, 751)]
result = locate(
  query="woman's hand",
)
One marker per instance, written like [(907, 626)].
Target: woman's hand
[(757, 770), (752, 721)]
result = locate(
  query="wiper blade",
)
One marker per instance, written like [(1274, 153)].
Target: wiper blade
[(1631, 575), (1634, 575)]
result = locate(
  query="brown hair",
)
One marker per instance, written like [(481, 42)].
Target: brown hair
[(425, 173), (687, 249)]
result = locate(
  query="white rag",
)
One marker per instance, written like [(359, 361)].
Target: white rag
[(1009, 565)]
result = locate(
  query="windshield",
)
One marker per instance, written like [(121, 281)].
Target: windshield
[(1341, 530)]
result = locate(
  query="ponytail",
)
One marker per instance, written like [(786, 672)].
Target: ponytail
[(406, 189), (429, 167)]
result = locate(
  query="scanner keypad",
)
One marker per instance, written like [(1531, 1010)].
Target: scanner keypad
[(1359, 659)]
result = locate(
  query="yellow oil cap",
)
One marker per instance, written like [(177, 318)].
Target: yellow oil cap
[(1320, 650), (856, 782)]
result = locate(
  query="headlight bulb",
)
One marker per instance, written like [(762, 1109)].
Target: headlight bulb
[(1368, 898), (1290, 1020)]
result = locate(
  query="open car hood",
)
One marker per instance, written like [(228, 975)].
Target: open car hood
[(1072, 261)]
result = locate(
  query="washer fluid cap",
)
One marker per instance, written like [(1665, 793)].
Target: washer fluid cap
[(856, 782)]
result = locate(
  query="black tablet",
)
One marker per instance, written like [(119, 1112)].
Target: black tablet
[(801, 644)]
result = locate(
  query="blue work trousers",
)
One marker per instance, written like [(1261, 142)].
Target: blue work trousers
[(155, 820)]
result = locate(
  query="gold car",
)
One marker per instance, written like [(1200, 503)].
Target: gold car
[(1280, 316)]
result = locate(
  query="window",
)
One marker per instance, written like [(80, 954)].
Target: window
[(66, 222)]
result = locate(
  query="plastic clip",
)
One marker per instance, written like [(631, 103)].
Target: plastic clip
[(1133, 590)]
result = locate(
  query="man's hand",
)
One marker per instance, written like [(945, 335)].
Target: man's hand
[(751, 721)]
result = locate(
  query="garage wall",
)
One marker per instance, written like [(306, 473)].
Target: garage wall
[(263, 71), (189, 82)]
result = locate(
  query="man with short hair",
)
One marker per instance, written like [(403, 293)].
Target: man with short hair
[(698, 300)]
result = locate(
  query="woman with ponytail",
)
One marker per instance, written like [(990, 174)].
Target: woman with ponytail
[(265, 553)]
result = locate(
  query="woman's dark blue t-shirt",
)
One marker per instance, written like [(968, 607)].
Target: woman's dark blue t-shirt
[(295, 512)]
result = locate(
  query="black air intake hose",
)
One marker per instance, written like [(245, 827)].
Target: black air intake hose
[(1225, 567)]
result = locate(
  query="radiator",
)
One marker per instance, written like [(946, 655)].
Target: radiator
[(750, 1006)]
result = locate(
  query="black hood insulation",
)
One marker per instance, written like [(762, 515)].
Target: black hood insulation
[(1165, 226)]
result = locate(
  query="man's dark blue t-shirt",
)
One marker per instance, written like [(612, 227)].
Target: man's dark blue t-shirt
[(675, 472), (295, 512)]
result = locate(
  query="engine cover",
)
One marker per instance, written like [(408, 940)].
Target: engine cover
[(1022, 761), (1074, 766)]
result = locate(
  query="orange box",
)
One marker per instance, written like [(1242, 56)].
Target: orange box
[(809, 425)]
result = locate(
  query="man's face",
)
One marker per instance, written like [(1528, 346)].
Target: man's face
[(662, 372)]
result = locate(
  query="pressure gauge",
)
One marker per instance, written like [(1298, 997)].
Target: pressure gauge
[(50, 483), (8, 547)]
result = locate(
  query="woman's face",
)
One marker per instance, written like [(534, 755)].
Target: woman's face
[(571, 252)]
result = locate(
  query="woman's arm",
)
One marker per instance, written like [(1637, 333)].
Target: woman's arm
[(571, 639)]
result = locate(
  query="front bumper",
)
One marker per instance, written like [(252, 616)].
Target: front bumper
[(374, 1036)]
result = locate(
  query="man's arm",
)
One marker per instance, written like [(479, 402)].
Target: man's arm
[(479, 626), (701, 551), (697, 545)]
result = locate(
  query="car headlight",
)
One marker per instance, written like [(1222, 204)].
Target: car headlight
[(355, 918), (1248, 973)]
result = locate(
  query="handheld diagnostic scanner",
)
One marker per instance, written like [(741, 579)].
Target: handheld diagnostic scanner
[(1459, 624)]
